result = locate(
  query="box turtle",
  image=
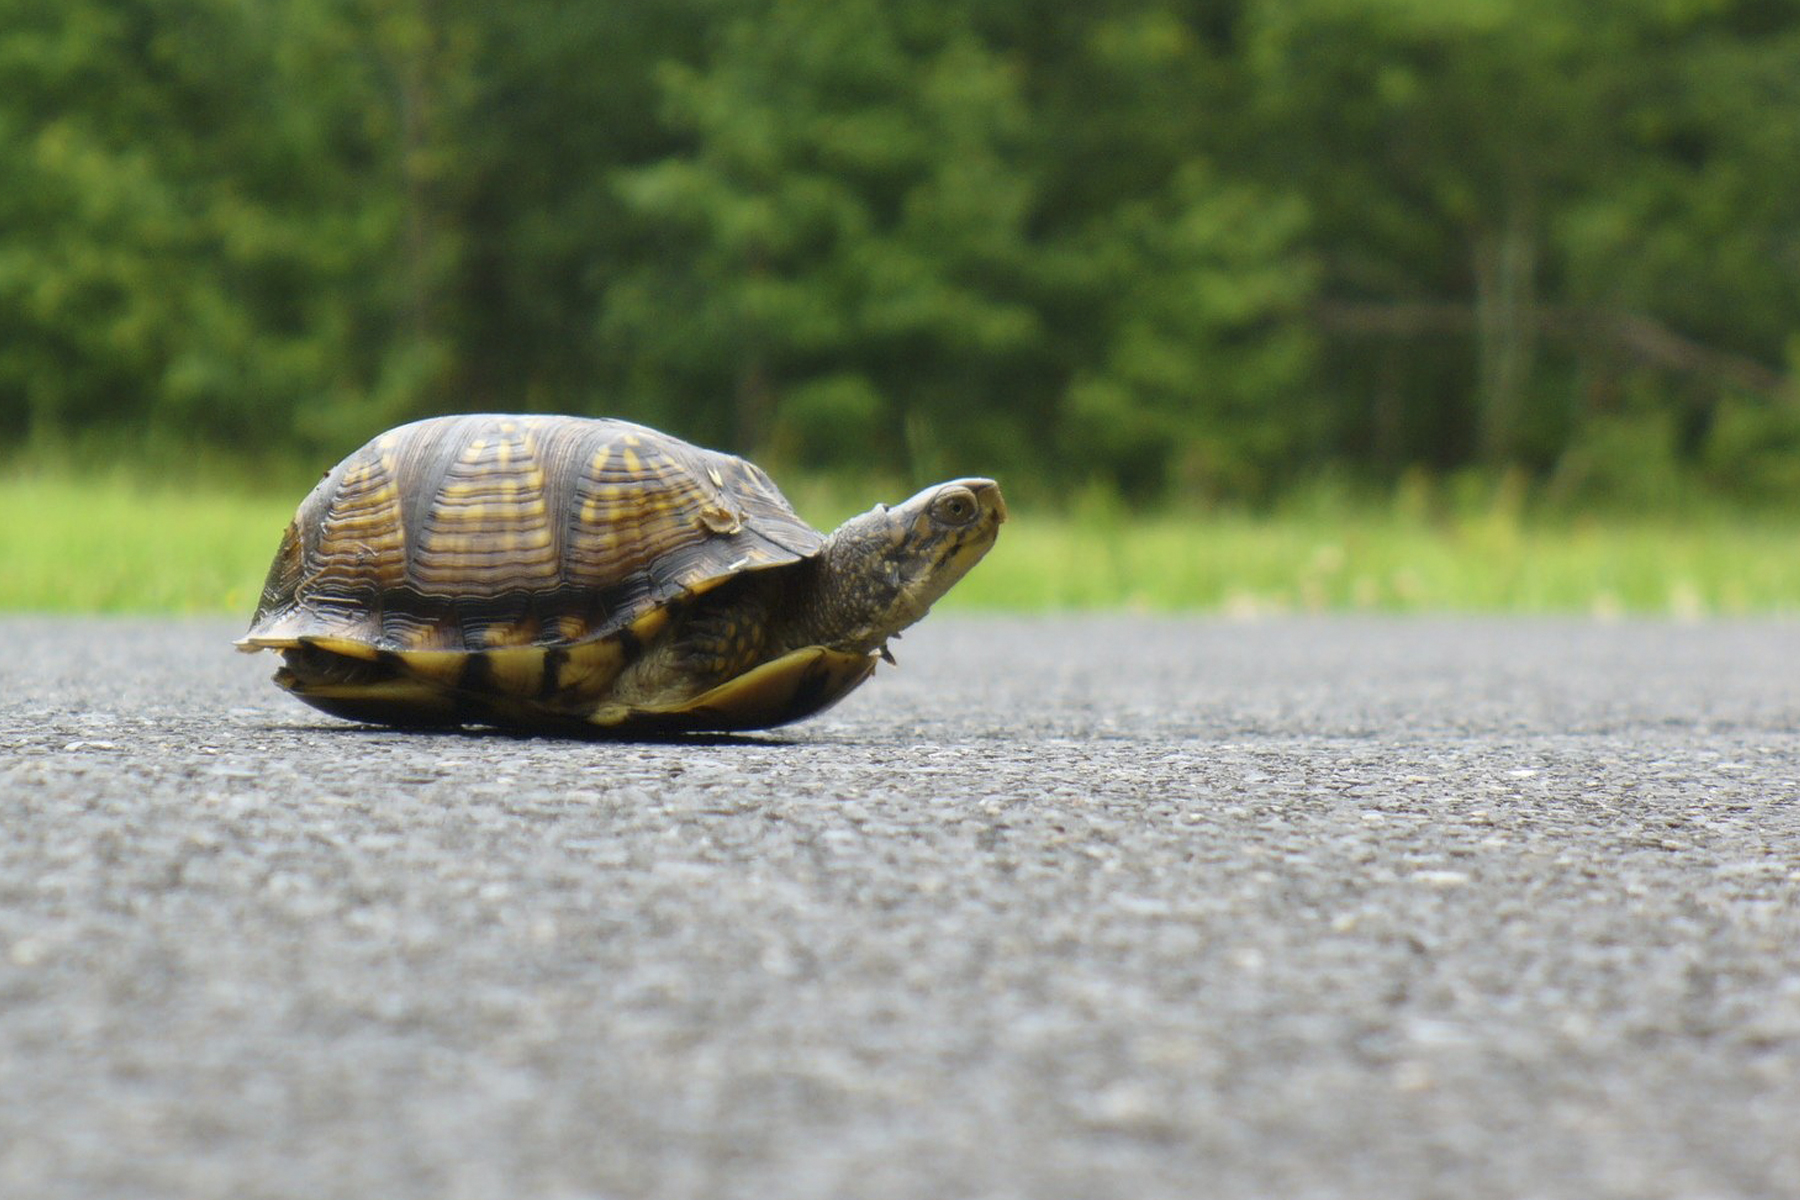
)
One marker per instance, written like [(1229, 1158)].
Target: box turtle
[(561, 572)]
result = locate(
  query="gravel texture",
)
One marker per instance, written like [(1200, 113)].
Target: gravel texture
[(1075, 908)]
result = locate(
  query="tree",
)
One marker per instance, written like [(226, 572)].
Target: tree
[(207, 227), (827, 267), (1173, 282), (1494, 184), (882, 237)]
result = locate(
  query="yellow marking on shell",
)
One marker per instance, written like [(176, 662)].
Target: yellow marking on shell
[(516, 672), (589, 670), (602, 537), (361, 540), (568, 627), (358, 475), (355, 527), (343, 646), (510, 634), (384, 497), (712, 473), (633, 464), (459, 492), (435, 637), (488, 531), (382, 701), (390, 492), (533, 537), (442, 667), (771, 686), (480, 557), (757, 697), (650, 624)]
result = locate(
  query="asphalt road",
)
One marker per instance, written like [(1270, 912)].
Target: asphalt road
[(1061, 908)]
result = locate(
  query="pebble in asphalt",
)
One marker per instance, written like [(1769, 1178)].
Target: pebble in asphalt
[(1061, 908)]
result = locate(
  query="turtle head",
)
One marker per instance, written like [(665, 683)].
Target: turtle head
[(883, 570)]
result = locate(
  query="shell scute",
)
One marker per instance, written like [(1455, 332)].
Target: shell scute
[(533, 571), (459, 534)]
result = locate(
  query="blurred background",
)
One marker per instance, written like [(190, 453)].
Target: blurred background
[(1131, 256)]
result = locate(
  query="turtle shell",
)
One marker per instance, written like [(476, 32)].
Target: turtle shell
[(506, 568)]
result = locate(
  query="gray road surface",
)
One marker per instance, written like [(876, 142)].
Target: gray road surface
[(1061, 908)]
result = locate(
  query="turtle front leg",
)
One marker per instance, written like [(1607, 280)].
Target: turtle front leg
[(710, 640)]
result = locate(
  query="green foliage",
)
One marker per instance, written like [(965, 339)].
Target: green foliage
[(118, 542), (1754, 451), (198, 223), (1623, 462), (1185, 252), (840, 242), (1185, 386)]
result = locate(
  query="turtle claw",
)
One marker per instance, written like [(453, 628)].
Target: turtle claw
[(887, 655)]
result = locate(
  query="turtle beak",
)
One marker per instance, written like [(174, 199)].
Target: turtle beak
[(987, 494)]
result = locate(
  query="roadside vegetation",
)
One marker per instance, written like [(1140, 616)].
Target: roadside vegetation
[(1252, 305), (1193, 254), (127, 542)]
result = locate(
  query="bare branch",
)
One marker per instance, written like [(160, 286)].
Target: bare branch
[(1641, 338)]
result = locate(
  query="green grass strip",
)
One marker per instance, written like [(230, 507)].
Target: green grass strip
[(122, 544), (1372, 560), (114, 545)]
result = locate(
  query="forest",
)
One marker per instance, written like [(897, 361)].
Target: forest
[(1178, 251)]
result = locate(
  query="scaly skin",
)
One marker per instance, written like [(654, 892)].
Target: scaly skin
[(876, 574), (882, 571)]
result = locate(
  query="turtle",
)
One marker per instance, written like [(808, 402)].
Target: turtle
[(557, 573)]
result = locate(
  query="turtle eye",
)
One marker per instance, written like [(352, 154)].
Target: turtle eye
[(957, 507)]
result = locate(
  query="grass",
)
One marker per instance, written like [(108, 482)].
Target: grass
[(122, 543), (114, 544), (1371, 560)]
